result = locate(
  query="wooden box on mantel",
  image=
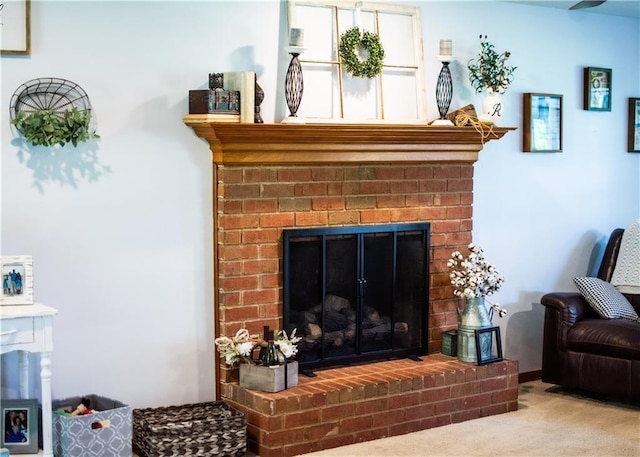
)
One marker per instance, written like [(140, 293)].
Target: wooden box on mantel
[(268, 379)]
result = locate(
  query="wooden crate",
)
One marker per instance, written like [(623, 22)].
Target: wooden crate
[(268, 379)]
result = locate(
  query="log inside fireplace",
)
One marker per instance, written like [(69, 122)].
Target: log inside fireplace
[(357, 294)]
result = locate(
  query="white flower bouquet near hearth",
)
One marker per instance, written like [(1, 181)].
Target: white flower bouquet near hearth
[(239, 349), (472, 276)]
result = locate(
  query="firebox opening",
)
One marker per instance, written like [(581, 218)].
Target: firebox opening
[(357, 294)]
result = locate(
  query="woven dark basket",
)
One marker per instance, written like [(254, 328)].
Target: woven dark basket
[(199, 429)]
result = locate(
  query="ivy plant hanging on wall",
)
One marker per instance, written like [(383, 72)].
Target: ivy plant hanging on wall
[(52, 111), (47, 128)]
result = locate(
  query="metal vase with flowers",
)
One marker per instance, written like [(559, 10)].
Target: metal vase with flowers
[(473, 278)]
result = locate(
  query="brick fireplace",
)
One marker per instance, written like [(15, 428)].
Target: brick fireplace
[(268, 177)]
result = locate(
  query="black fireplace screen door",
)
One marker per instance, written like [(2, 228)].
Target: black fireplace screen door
[(357, 294)]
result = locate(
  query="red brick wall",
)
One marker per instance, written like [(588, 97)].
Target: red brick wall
[(254, 204)]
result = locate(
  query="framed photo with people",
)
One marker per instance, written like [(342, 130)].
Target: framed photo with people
[(19, 421), (17, 280), (597, 89)]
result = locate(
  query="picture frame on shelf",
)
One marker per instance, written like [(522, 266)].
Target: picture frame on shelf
[(16, 27), (542, 122), (19, 422), (17, 280), (634, 125), (597, 88), (484, 352)]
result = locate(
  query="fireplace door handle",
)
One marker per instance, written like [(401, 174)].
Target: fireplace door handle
[(362, 283)]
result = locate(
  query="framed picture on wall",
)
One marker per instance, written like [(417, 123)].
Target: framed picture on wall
[(15, 26), (19, 421), (634, 125), (542, 119), (17, 280), (597, 89)]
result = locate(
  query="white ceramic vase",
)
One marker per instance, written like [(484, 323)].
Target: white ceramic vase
[(492, 107)]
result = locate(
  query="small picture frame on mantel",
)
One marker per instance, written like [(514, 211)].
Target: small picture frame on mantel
[(597, 89), (17, 280), (634, 125)]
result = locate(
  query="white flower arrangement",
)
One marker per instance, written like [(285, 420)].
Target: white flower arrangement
[(239, 349), (495, 308), (287, 345), (472, 276)]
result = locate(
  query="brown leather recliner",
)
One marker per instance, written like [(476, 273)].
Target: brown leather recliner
[(583, 350)]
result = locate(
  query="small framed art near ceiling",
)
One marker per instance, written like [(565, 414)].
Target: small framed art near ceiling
[(597, 89), (15, 27), (331, 93)]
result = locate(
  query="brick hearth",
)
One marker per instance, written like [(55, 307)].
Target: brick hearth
[(271, 177), (362, 403)]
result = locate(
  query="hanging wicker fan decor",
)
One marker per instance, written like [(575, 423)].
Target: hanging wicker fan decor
[(61, 104), (55, 94)]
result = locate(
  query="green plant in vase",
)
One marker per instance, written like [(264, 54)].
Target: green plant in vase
[(490, 70)]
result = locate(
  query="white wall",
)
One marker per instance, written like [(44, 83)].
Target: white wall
[(121, 233), (539, 216)]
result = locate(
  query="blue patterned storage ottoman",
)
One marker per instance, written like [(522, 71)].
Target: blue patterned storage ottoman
[(198, 429), (106, 432)]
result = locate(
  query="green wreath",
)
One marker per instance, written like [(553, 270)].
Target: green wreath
[(350, 41)]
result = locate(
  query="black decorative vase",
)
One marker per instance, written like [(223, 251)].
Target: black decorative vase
[(257, 118), (294, 86)]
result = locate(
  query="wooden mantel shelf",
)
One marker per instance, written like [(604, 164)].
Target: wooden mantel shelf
[(274, 144)]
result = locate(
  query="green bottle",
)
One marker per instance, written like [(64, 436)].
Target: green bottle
[(269, 353)]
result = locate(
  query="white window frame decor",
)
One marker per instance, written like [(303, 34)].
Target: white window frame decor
[(396, 95), (24, 265), (15, 27)]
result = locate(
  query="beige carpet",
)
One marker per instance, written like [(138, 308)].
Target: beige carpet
[(550, 421)]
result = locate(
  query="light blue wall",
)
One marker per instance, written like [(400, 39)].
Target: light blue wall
[(121, 233)]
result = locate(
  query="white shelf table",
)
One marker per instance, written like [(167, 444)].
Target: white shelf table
[(29, 328)]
